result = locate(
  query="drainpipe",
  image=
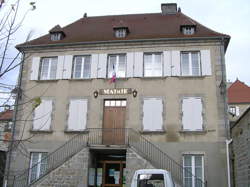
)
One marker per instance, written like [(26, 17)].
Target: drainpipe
[(228, 142)]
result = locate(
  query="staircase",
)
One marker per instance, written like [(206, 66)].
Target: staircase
[(94, 137)]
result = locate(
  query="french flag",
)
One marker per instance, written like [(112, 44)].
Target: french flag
[(113, 78)]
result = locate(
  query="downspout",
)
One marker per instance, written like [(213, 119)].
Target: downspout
[(228, 142)]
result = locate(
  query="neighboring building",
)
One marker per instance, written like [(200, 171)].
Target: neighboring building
[(5, 135), (240, 132), (120, 93), (238, 99)]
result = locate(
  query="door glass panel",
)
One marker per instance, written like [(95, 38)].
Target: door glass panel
[(112, 174)]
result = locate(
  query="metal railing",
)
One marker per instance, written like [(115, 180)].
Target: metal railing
[(102, 136), (53, 160)]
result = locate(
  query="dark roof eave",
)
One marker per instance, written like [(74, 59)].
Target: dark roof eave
[(224, 38)]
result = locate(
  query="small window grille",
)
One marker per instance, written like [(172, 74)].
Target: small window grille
[(120, 33), (56, 36)]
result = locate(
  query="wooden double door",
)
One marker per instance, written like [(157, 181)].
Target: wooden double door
[(114, 116)]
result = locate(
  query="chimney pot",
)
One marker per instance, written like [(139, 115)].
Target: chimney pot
[(169, 8)]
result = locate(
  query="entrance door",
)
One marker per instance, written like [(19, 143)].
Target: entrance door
[(113, 173), (114, 122)]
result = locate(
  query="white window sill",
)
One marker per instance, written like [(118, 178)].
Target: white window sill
[(191, 76), (193, 131), (153, 131), (76, 131), (41, 131)]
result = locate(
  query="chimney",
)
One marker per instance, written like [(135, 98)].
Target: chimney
[(168, 8)]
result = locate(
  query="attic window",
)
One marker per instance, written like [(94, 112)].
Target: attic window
[(120, 33), (56, 36), (188, 30)]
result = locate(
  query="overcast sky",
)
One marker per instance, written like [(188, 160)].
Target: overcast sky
[(226, 16)]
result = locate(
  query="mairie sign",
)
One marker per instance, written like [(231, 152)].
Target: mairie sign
[(115, 91)]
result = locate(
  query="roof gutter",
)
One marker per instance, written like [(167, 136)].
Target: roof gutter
[(226, 40)]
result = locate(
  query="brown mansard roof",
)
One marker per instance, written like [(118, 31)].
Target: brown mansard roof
[(141, 27)]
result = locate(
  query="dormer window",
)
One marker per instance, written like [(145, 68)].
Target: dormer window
[(120, 33), (56, 33), (56, 36), (188, 30)]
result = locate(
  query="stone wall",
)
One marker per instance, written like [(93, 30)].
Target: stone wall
[(134, 162), (241, 150), (73, 173)]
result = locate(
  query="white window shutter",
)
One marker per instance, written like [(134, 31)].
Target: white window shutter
[(102, 66), (167, 63), (130, 64), (77, 114), (67, 68), (152, 114), (138, 64), (206, 62), (237, 110), (94, 64), (42, 116), (192, 114), (35, 68), (59, 70), (175, 64)]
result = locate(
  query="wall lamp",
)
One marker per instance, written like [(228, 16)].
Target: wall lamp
[(134, 93), (95, 94)]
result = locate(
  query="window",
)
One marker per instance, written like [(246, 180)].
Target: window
[(117, 65), (77, 114), (152, 114), (152, 64), (190, 64), (82, 67), (188, 30), (120, 33), (48, 68), (193, 170), (56, 36), (234, 110), (38, 165), (42, 116), (150, 180), (192, 118)]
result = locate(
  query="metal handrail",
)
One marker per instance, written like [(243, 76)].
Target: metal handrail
[(118, 136)]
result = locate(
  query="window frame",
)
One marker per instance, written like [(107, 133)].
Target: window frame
[(56, 36), (155, 130), (153, 62), (190, 65), (193, 167), (202, 114), (117, 67), (82, 66), (48, 77), (120, 32), (38, 163), (188, 30)]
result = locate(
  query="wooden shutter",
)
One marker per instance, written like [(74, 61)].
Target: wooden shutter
[(167, 63), (175, 64), (35, 68), (206, 62), (77, 114), (102, 66), (42, 116), (152, 114), (130, 64), (94, 65), (59, 70), (192, 114), (138, 64), (67, 68)]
